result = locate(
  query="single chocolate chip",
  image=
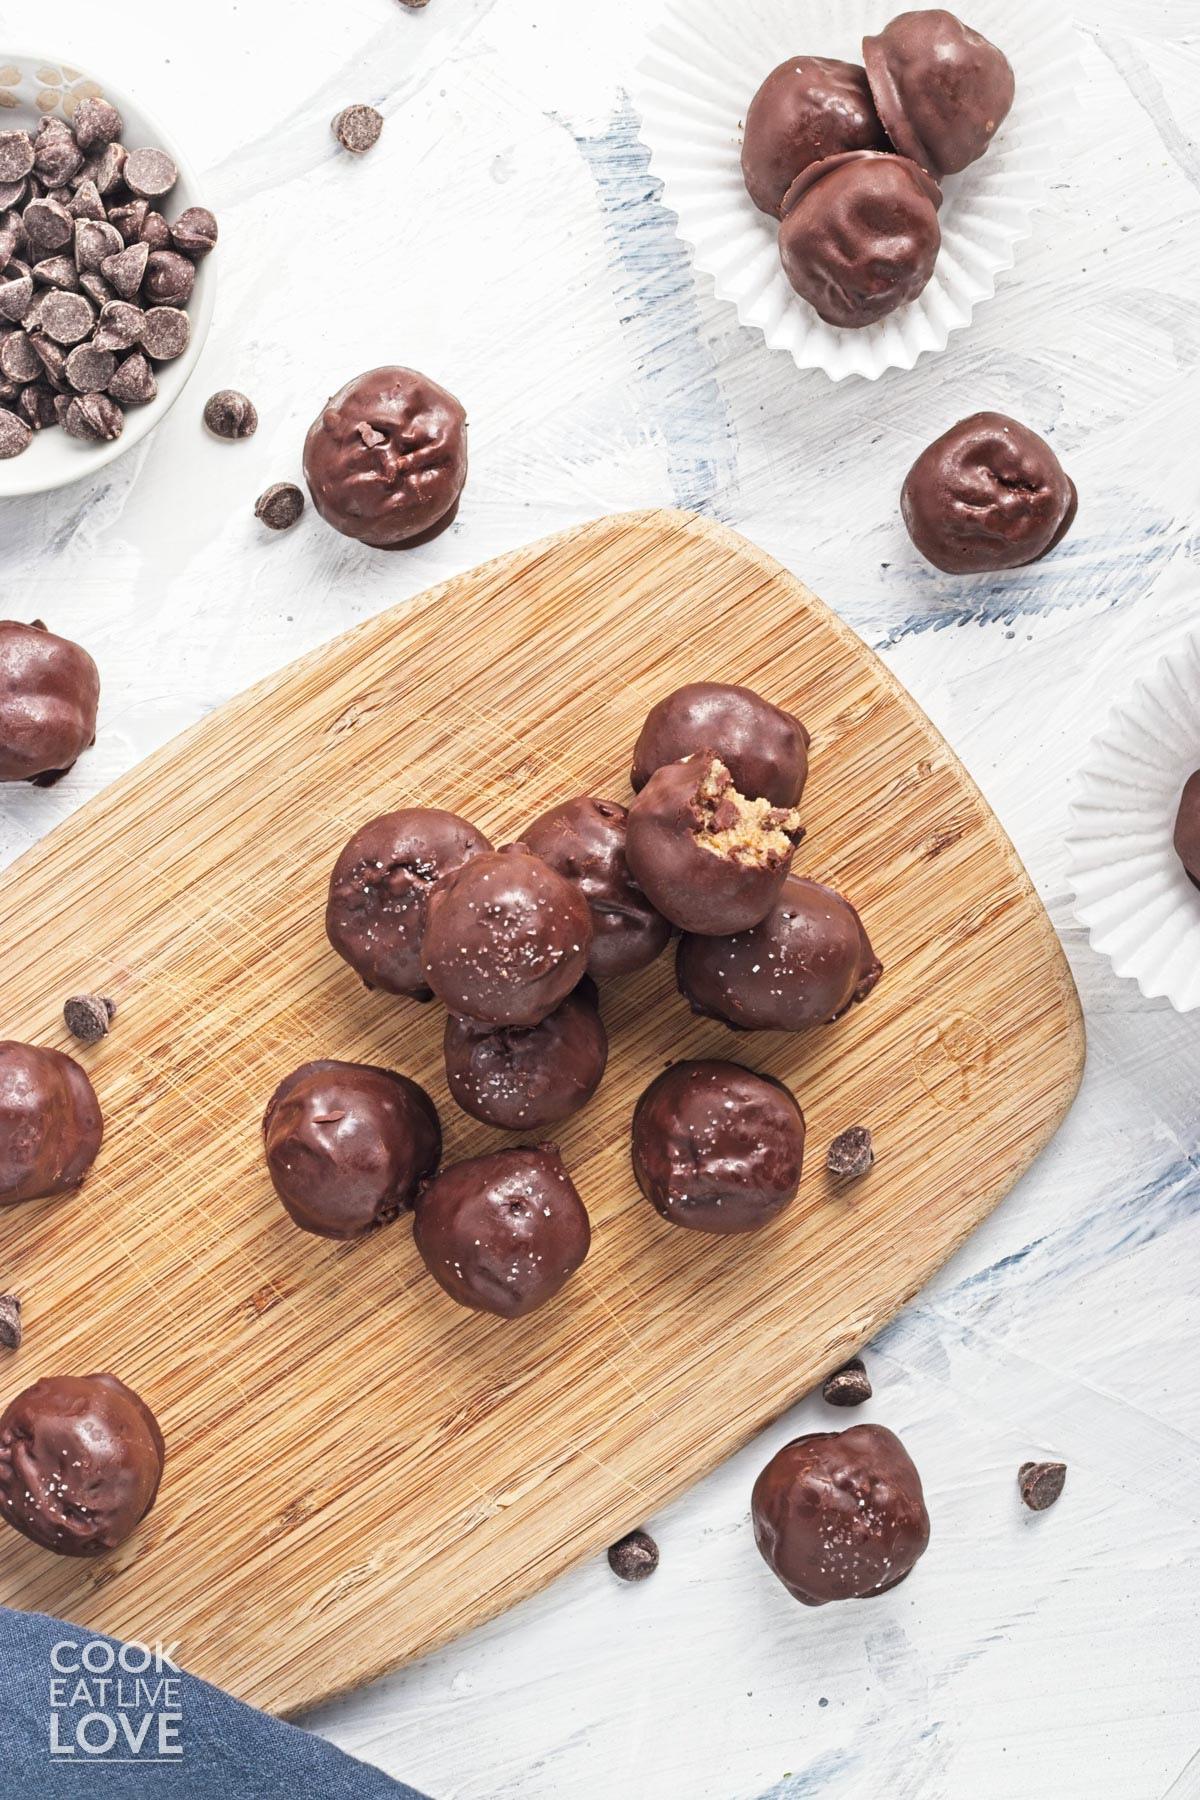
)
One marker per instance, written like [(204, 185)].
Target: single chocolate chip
[(53, 361), (96, 122), (48, 225), (16, 155), (67, 318), (1041, 1483), (106, 170), (150, 174), (848, 1386), (414, 5), (95, 287), (88, 1016), (170, 277), (89, 370), (121, 324), (57, 159), (229, 414), (10, 236), (165, 333), (10, 1322), (850, 1153), (85, 202), (194, 232), (16, 297), (12, 193), (19, 361), (124, 269), (155, 233), (57, 271), (16, 435), (36, 405), (633, 1557), (129, 219), (134, 383), (95, 241), (92, 416), (357, 129), (280, 507)]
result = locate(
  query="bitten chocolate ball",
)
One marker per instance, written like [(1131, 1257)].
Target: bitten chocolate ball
[(524, 1078), (804, 964), (718, 1148), (584, 840), (988, 494), (941, 89), (708, 858), (808, 108), (840, 1515), (507, 939), (503, 1233), (764, 748), (348, 1146), (859, 236), (50, 1123), (81, 1457), (379, 892), (1187, 828), (387, 459), (49, 692)]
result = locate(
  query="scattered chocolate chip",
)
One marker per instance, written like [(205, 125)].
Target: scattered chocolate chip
[(155, 233), (357, 129), (229, 414), (149, 174), (848, 1386), (106, 170), (67, 318), (57, 271), (120, 323), (16, 435), (95, 287), (170, 277), (53, 361), (89, 370), (280, 507), (48, 226), (165, 333), (12, 193), (129, 219), (1041, 1483), (16, 297), (57, 159), (19, 360), (850, 1153), (95, 241), (134, 383), (89, 1016), (194, 232), (36, 405), (92, 416), (85, 202), (414, 5), (636, 1556), (95, 123), (10, 1322), (16, 155), (124, 269)]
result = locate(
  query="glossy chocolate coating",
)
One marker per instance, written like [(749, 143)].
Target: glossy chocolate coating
[(50, 1123), (81, 1457), (379, 892), (803, 965), (49, 692), (503, 1233), (988, 494), (1187, 827), (840, 1515), (524, 1078), (940, 88), (696, 888), (348, 1145), (386, 459), (507, 939), (764, 748), (584, 840), (809, 108), (860, 235), (718, 1148)]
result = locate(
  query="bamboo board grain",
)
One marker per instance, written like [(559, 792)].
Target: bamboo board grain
[(357, 1469)]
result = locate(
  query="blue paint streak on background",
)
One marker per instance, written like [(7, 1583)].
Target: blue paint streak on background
[(656, 294)]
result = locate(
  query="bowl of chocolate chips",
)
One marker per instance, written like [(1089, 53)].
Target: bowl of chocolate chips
[(107, 280)]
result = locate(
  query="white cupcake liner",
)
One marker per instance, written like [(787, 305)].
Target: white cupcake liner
[(707, 59), (1131, 892)]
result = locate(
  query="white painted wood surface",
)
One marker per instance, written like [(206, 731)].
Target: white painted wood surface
[(504, 237)]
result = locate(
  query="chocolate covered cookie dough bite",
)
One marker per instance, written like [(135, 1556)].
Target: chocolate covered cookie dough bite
[(1186, 835), (525, 1078), (717, 1147), (764, 748), (49, 694), (808, 108), (81, 1458), (941, 89), (708, 857), (859, 235), (584, 840), (51, 1126), (804, 964), (989, 494)]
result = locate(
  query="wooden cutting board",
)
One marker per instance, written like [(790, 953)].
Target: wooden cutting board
[(358, 1470)]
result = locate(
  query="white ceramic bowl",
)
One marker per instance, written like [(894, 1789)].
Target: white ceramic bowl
[(31, 87)]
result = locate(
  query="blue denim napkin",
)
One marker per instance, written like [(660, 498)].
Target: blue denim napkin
[(83, 1715)]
